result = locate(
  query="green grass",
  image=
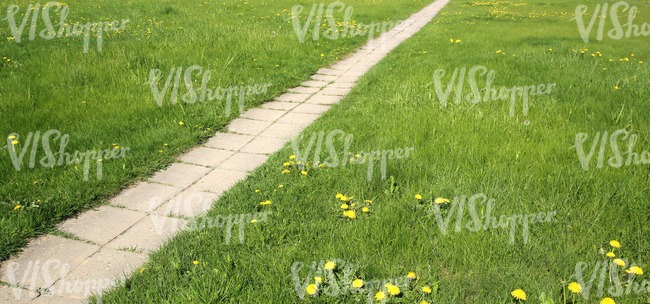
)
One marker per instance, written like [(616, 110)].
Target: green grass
[(99, 99), (460, 149)]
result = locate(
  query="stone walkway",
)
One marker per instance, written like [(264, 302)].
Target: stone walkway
[(114, 240)]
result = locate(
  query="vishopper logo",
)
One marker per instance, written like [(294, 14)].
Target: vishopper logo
[(98, 27), (191, 96), (205, 221), (615, 33), (333, 288), (35, 271), (476, 225), (475, 97), (49, 160), (334, 32), (617, 288), (615, 161), (333, 161)]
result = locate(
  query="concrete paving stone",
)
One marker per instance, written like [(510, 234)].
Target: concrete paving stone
[(243, 162), (264, 145), (102, 225), (285, 131), (294, 97), (311, 108), (188, 204), (356, 72), (343, 67), (263, 114), (314, 83), (180, 175), (229, 141), (210, 157), (342, 85), (248, 126), (279, 105), (298, 118), (47, 299), (50, 256), (139, 197), (323, 77), (99, 272), (326, 71), (149, 233), (16, 295), (347, 79), (303, 90), (334, 91), (218, 181), (324, 99)]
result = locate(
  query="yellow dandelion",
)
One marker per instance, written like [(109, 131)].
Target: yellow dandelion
[(575, 287), (344, 206), (330, 265), (457, 41), (311, 289), (381, 295), (607, 301), (635, 270), (253, 221), (357, 283), (17, 207), (394, 290), (368, 201), (611, 255), (452, 40), (142, 270), (286, 164), (426, 289), (318, 279), (519, 294), (14, 142), (180, 123), (338, 195), (196, 262), (344, 198), (411, 275), (615, 244), (417, 196), (292, 157), (12, 136), (257, 191), (619, 262), (303, 172), (365, 209), (286, 171)]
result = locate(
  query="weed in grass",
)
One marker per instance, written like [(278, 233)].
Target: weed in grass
[(98, 27)]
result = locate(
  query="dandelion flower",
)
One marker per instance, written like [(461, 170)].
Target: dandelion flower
[(286, 164), (344, 206), (338, 195), (457, 41), (357, 283), (575, 287), (350, 214), (257, 191), (519, 294), (394, 290), (180, 123), (253, 221), (286, 171), (619, 262), (439, 200), (452, 40), (14, 142), (292, 157), (426, 289), (611, 255), (615, 243), (12, 136), (17, 207), (365, 209), (607, 301), (142, 270), (417, 196), (196, 262), (321, 165), (424, 302), (344, 198), (318, 279), (635, 270), (411, 275), (311, 289), (303, 172), (381, 295), (368, 201), (616, 87), (330, 265)]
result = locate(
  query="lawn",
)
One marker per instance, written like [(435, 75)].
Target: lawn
[(94, 100), (464, 152)]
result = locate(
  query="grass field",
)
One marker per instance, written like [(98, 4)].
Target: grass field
[(98, 98), (459, 149)]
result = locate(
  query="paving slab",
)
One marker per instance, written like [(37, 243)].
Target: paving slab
[(139, 197), (303, 90), (315, 83), (331, 72), (323, 77), (280, 130), (209, 157), (263, 114), (243, 162), (298, 118), (188, 204), (341, 85), (102, 225), (16, 295), (47, 299), (148, 234), (248, 126), (348, 79), (228, 141), (180, 175), (291, 97), (264, 145), (324, 99), (45, 260), (97, 273), (279, 105), (335, 91), (310, 108), (218, 181)]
